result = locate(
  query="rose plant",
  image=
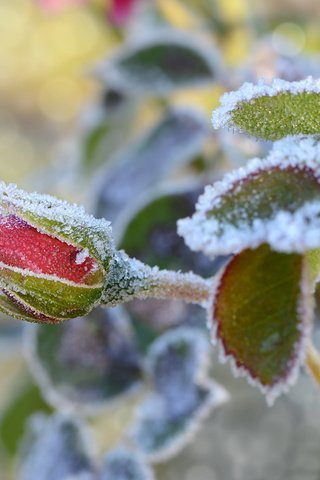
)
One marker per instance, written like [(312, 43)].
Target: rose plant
[(252, 246)]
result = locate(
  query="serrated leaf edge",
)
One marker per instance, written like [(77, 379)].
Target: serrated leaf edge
[(285, 232), (305, 312)]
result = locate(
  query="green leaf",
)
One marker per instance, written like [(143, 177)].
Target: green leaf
[(26, 402), (159, 435), (182, 395), (151, 235), (274, 201), (173, 140), (272, 111), (87, 361), (105, 133), (161, 63), (261, 317)]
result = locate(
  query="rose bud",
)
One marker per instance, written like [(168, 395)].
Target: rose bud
[(54, 257)]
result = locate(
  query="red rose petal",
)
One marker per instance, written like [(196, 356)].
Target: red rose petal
[(23, 246)]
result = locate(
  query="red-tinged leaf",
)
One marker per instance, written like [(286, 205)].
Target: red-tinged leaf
[(275, 201), (261, 317), (23, 246)]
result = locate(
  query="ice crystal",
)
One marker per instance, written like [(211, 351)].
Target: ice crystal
[(271, 111), (56, 449), (288, 224)]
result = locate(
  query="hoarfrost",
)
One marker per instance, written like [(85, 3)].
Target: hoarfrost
[(230, 101), (124, 464), (58, 218), (305, 311), (183, 395), (284, 231), (57, 449)]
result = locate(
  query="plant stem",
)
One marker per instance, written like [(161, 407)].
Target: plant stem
[(129, 278), (313, 362), (183, 286)]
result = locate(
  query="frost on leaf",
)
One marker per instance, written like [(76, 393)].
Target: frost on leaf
[(88, 361), (151, 234), (272, 111), (169, 417), (274, 201), (174, 139), (161, 63), (55, 448), (124, 464), (261, 317)]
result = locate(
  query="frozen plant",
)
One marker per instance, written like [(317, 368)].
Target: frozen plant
[(266, 215), (58, 263)]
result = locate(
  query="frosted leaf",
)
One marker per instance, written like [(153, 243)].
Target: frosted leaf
[(261, 317), (174, 139), (56, 449), (60, 219), (124, 464), (151, 233), (159, 63), (274, 201), (177, 360), (247, 440), (87, 362), (169, 417), (272, 111), (159, 435)]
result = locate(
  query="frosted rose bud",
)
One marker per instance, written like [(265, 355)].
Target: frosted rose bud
[(54, 258)]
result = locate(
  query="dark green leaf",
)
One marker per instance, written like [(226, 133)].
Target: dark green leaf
[(86, 361), (162, 63)]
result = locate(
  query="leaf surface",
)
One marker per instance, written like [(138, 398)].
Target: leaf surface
[(262, 315)]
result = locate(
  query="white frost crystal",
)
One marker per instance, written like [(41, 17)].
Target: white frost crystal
[(230, 101), (284, 231)]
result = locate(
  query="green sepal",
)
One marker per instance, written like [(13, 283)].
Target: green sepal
[(49, 296)]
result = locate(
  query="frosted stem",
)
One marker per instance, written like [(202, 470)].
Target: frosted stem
[(313, 362), (129, 278), (183, 286)]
